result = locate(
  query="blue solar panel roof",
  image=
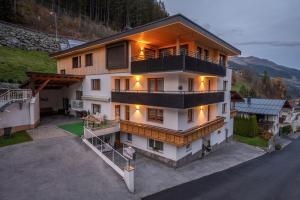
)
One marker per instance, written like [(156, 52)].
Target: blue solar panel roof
[(260, 106)]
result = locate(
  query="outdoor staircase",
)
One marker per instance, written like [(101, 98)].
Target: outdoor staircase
[(14, 96)]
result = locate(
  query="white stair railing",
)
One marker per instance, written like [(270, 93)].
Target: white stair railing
[(13, 95)]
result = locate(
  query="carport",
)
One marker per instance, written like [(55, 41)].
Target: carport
[(55, 91)]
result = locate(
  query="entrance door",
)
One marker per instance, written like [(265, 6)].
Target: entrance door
[(117, 85), (66, 105), (117, 140), (117, 112)]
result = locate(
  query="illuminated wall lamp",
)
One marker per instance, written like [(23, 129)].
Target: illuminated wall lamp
[(137, 108)]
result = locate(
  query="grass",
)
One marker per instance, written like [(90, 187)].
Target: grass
[(254, 141), (15, 62), (17, 138), (74, 128)]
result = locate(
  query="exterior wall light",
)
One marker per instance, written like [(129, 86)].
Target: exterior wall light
[(137, 108)]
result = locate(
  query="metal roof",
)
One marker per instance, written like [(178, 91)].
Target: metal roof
[(260, 106)]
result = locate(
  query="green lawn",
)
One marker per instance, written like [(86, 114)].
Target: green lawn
[(74, 128), (254, 141), (15, 62), (19, 137)]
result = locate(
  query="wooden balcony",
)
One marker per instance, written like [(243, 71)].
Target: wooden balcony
[(233, 113), (178, 138)]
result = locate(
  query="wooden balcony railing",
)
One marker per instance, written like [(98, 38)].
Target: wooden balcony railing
[(233, 113), (178, 138)]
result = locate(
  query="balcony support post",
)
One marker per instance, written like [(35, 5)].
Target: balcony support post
[(177, 45)]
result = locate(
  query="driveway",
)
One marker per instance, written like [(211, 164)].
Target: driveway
[(152, 176), (57, 168), (271, 176), (48, 127)]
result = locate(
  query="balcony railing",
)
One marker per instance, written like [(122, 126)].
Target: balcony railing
[(187, 61), (178, 138), (233, 113), (169, 99), (77, 105)]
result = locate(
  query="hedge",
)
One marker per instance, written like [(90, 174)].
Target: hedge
[(245, 126), (285, 130)]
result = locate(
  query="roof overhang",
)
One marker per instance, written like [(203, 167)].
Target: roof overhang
[(177, 25), (38, 81)]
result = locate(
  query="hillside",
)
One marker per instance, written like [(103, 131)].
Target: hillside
[(258, 66), (15, 62), (81, 19)]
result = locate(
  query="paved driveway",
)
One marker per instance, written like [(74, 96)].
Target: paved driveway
[(57, 168), (272, 176), (152, 176)]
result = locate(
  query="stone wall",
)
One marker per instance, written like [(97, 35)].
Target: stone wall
[(19, 37)]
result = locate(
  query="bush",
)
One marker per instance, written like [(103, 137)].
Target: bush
[(278, 146), (246, 126), (285, 130)]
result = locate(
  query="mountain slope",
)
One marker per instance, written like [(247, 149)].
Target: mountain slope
[(258, 66)]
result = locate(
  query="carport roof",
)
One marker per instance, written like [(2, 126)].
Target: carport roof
[(37, 80)]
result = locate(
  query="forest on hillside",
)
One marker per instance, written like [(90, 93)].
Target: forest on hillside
[(83, 19)]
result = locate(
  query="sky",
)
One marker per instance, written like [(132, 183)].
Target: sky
[(263, 28)]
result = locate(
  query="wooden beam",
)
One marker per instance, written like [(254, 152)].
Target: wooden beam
[(41, 86)]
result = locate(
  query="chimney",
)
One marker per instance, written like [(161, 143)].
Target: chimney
[(249, 100)]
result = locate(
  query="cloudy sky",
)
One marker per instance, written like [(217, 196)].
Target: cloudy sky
[(263, 28)]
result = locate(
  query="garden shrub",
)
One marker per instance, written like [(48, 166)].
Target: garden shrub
[(245, 126), (278, 146), (285, 130)]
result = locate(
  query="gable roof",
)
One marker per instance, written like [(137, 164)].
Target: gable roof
[(179, 18), (261, 106)]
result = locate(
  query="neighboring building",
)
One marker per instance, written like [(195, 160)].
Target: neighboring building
[(267, 111), (166, 83)]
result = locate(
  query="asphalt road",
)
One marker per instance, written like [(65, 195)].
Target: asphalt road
[(274, 176)]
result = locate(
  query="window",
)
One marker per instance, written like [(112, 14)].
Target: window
[(190, 115), (199, 53), (88, 59), (78, 95), (191, 84), (76, 62), (224, 108), (222, 59), (129, 137), (117, 55), (206, 54), (127, 113), (63, 71), (117, 111), (167, 51), (188, 147), (96, 108), (184, 49), (149, 53), (155, 145), (96, 84), (155, 84), (117, 84), (156, 115), (127, 84), (224, 85)]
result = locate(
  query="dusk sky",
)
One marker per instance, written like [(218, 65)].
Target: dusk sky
[(263, 28)]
